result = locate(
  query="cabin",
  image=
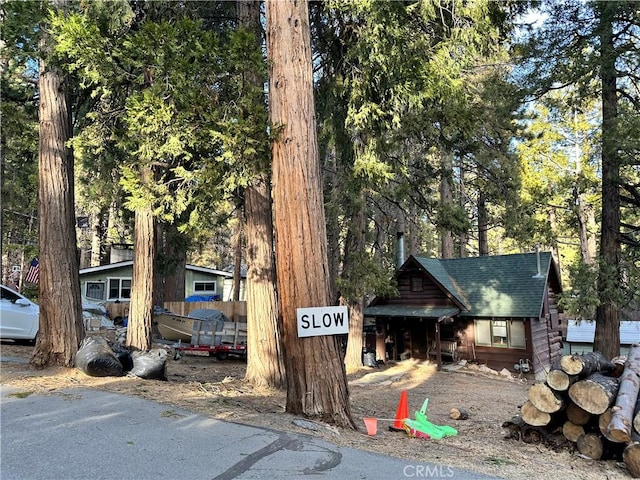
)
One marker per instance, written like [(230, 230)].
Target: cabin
[(496, 310), (581, 333), (112, 283)]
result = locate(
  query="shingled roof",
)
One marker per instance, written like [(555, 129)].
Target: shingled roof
[(496, 286)]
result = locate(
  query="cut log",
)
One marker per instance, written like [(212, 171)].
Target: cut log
[(618, 363), (518, 429), (545, 399), (590, 445), (636, 417), (595, 393), (577, 415), (631, 458), (458, 414), (621, 423), (533, 416), (586, 364), (559, 380), (603, 424), (571, 431)]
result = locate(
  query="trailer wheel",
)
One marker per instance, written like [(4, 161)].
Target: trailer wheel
[(222, 355)]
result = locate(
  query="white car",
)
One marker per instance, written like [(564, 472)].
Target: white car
[(19, 316)]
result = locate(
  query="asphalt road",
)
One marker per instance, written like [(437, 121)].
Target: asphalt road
[(93, 435)]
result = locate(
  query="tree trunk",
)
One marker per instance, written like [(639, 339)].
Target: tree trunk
[(446, 200), (173, 264), (594, 394), (354, 249), (237, 260), (265, 356), (607, 336), (621, 424), (316, 378), (61, 326), (585, 365), (483, 225), (141, 306)]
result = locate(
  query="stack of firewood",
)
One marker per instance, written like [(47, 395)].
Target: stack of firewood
[(593, 402)]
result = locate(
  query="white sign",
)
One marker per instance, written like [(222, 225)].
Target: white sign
[(322, 321)]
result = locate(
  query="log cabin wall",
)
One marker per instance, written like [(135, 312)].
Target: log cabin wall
[(498, 358)]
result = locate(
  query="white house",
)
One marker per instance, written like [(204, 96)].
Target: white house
[(581, 333), (113, 282)]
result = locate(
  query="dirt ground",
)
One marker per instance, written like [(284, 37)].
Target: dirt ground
[(202, 384)]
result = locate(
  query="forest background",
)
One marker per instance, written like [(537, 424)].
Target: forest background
[(471, 128)]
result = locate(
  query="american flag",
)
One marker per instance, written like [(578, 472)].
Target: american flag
[(32, 274)]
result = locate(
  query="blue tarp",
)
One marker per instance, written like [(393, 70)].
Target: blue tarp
[(203, 298)]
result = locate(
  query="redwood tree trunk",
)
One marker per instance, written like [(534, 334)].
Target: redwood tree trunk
[(607, 336), (61, 327), (265, 357), (144, 246), (316, 379)]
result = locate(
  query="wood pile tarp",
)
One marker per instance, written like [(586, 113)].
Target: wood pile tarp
[(587, 403)]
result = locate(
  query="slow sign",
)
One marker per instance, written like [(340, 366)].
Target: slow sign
[(316, 321)]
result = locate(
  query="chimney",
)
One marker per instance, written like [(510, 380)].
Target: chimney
[(539, 273), (400, 242)]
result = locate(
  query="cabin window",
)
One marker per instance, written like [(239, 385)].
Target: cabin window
[(416, 284), (500, 333), (204, 287), (94, 290), (119, 288)]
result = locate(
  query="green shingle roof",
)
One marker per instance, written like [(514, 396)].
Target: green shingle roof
[(409, 311), (494, 286)]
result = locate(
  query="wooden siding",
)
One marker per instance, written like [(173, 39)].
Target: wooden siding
[(429, 294), (497, 358)]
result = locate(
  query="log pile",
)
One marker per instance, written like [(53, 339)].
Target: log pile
[(589, 404)]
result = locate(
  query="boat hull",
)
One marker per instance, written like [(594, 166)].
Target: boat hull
[(174, 327)]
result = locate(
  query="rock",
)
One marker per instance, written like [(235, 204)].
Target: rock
[(505, 373)]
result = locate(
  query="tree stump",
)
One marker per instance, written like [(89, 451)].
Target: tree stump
[(595, 393), (533, 416), (571, 431), (576, 414), (621, 424), (586, 364), (544, 398), (590, 445), (458, 414)]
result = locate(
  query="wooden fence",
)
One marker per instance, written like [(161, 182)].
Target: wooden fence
[(236, 311)]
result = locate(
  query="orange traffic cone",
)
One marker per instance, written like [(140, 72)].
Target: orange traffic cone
[(401, 414)]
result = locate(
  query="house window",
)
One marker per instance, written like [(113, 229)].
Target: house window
[(204, 287), (416, 284), (500, 333), (94, 290), (119, 288)]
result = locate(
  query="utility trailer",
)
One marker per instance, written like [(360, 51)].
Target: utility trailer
[(217, 338)]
